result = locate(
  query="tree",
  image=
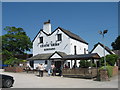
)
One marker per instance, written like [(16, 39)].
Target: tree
[(116, 45), (14, 42)]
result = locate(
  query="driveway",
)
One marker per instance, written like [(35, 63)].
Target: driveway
[(31, 80)]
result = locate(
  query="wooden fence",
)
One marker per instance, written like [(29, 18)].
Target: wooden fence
[(80, 72)]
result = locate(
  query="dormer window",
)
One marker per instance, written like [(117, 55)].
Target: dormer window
[(41, 39), (59, 37)]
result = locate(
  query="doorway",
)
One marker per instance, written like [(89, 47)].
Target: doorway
[(58, 66), (32, 63)]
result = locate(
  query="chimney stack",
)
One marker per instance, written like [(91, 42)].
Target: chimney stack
[(47, 27)]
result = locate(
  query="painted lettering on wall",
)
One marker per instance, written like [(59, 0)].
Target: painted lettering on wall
[(49, 49), (48, 45)]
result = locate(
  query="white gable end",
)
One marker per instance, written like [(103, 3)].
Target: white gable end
[(100, 51), (36, 42), (59, 40), (56, 56), (63, 46)]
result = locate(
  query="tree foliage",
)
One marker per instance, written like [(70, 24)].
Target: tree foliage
[(110, 60), (85, 63), (116, 45), (109, 70), (14, 42)]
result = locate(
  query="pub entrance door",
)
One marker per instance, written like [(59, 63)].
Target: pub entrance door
[(58, 66)]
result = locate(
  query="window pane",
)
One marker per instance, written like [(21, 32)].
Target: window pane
[(59, 37), (41, 39), (75, 51)]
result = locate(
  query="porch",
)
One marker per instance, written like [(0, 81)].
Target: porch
[(89, 72), (59, 59)]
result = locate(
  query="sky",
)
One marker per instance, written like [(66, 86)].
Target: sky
[(84, 19)]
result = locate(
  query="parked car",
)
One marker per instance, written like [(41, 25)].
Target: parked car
[(6, 81)]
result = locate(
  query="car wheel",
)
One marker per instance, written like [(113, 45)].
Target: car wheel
[(7, 83)]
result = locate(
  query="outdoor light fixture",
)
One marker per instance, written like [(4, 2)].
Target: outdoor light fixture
[(102, 33)]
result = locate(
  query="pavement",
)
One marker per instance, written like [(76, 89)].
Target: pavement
[(31, 80)]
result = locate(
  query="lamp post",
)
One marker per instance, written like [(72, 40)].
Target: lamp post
[(102, 33)]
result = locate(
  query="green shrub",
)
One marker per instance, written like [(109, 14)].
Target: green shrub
[(85, 63), (109, 70), (82, 63), (88, 64), (110, 60), (12, 61), (94, 65), (9, 61)]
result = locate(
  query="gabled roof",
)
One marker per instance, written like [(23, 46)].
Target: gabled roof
[(41, 30), (40, 57), (46, 56), (62, 54), (70, 34), (82, 57), (106, 48)]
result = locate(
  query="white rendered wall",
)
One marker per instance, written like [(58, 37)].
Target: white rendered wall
[(72, 63), (79, 50), (79, 47), (64, 45), (36, 63), (100, 51)]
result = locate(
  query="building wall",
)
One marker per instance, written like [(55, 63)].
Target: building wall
[(80, 47), (64, 45), (37, 62), (100, 50)]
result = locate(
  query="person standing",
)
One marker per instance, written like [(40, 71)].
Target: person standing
[(53, 69), (65, 66), (49, 72), (41, 69)]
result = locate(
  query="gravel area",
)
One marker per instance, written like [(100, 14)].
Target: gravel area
[(31, 80)]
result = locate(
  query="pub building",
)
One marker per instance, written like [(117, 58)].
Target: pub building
[(49, 47)]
